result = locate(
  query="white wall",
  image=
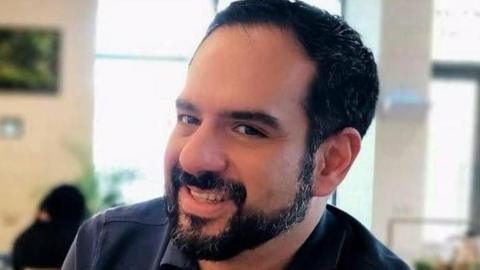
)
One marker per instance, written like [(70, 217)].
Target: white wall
[(30, 165)]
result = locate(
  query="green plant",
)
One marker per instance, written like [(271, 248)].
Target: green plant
[(424, 265), (110, 186), (101, 189)]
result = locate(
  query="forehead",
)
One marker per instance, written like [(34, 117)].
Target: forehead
[(249, 66)]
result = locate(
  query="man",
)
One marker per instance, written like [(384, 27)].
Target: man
[(277, 98)]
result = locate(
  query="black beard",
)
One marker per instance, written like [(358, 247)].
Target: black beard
[(246, 229)]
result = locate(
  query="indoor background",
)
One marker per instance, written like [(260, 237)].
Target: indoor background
[(121, 64)]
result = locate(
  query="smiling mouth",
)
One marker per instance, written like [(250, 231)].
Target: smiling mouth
[(208, 196), (206, 203)]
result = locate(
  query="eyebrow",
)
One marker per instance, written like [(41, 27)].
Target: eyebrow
[(185, 105), (256, 116)]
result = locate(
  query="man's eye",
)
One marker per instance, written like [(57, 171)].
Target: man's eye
[(187, 119), (250, 131)]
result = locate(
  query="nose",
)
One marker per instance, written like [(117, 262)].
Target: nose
[(203, 152)]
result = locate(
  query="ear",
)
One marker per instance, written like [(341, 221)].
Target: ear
[(333, 159)]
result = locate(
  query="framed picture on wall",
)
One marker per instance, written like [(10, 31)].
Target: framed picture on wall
[(29, 60)]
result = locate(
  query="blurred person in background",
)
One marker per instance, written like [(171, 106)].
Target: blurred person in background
[(277, 98), (45, 243)]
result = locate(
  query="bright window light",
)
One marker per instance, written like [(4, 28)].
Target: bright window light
[(151, 27), (449, 155), (134, 114)]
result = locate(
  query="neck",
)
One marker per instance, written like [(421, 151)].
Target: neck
[(278, 252)]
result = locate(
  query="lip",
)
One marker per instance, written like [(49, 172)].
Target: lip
[(202, 209)]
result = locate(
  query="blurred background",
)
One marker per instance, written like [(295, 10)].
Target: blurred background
[(87, 92)]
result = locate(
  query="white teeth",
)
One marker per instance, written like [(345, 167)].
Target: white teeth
[(207, 196)]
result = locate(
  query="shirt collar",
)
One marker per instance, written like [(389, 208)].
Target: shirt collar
[(323, 247), (174, 257)]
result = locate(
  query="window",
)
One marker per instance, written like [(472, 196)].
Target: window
[(143, 49), (450, 156), (452, 122)]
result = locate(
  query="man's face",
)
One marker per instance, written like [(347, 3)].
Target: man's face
[(234, 159)]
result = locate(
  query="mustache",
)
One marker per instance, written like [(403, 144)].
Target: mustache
[(210, 180)]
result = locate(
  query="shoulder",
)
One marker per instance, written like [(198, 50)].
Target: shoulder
[(35, 234), (102, 239), (126, 219), (361, 250), (151, 212)]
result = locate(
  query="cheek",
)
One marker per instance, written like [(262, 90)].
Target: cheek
[(271, 178)]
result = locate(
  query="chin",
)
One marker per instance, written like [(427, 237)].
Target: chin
[(213, 230), (209, 228)]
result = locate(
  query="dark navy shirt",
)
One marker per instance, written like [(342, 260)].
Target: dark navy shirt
[(136, 237)]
